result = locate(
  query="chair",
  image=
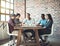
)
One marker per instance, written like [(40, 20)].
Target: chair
[(13, 34), (47, 35)]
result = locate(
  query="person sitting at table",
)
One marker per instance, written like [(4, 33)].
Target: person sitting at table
[(42, 23), (17, 19), (49, 23), (29, 21), (11, 24), (47, 27)]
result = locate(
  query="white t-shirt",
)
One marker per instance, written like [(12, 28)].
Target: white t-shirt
[(29, 22)]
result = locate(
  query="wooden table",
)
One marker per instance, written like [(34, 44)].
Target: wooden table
[(21, 28)]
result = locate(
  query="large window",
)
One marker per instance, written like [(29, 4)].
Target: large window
[(6, 8)]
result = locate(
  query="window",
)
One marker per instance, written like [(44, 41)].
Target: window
[(11, 11), (7, 4), (11, 6), (2, 17), (6, 9), (2, 10), (2, 3), (11, 1), (8, 0), (7, 17)]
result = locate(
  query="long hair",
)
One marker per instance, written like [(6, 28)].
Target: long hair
[(50, 17), (18, 14)]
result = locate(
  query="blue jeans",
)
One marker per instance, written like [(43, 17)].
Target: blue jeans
[(43, 31)]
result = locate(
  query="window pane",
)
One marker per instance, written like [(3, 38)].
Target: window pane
[(11, 6), (2, 3), (7, 17), (11, 12), (2, 17), (11, 1), (7, 4), (7, 11), (8, 0), (2, 10)]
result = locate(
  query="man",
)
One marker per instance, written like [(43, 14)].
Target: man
[(11, 23), (42, 23), (29, 21)]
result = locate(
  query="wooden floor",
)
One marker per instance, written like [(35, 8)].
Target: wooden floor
[(4, 41), (54, 41)]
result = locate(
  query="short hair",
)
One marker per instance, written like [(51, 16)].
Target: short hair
[(28, 14), (12, 15), (18, 14), (42, 14)]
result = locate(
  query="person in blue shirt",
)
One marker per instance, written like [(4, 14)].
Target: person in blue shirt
[(43, 21)]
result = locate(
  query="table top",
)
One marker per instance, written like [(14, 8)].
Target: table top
[(28, 27)]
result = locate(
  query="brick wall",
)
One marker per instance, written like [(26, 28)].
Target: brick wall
[(37, 7), (19, 7)]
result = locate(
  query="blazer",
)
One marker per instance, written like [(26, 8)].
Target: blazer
[(48, 27)]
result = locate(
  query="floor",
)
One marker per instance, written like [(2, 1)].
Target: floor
[(54, 41)]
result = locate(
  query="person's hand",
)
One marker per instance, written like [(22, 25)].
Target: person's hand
[(23, 24), (38, 25), (20, 24), (44, 27)]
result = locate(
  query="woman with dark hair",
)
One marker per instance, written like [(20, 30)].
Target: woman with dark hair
[(49, 17), (49, 23)]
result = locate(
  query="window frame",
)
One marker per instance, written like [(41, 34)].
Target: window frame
[(6, 8)]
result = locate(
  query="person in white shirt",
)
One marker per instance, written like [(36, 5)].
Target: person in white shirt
[(29, 22)]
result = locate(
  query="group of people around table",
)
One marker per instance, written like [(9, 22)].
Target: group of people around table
[(46, 22)]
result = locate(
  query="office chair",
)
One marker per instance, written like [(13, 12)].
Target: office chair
[(47, 35), (13, 34)]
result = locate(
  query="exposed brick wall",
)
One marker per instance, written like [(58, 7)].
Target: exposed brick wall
[(37, 7), (19, 7)]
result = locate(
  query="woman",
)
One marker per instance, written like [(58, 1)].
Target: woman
[(49, 23), (47, 26)]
